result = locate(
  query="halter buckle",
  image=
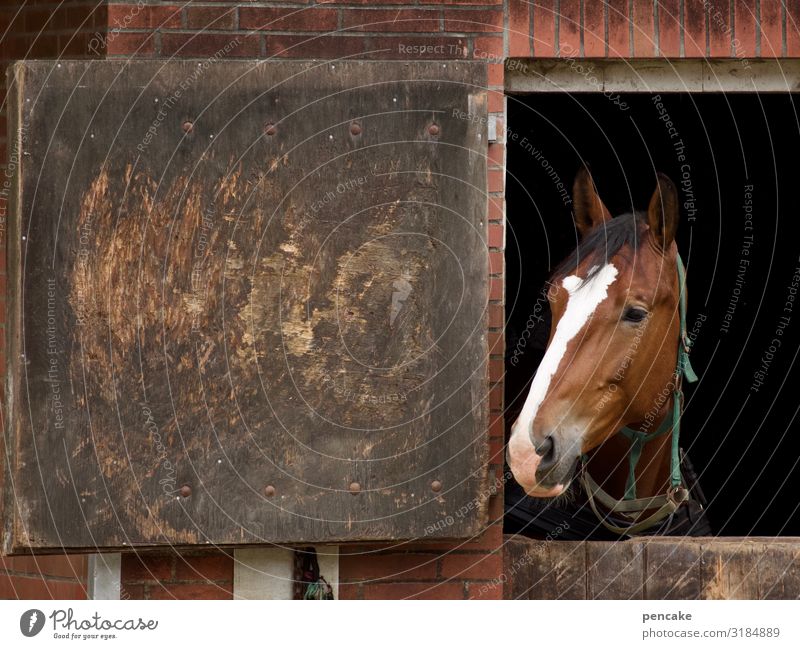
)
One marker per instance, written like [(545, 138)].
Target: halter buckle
[(678, 495)]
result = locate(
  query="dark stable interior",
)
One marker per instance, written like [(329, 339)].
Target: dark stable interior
[(740, 423)]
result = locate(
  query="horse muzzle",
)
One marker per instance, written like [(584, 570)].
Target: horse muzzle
[(543, 468)]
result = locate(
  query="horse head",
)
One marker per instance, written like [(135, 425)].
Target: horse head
[(613, 341)]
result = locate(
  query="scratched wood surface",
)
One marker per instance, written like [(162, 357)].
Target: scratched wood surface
[(662, 568), (247, 303)]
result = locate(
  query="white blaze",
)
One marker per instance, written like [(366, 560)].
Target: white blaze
[(583, 300)]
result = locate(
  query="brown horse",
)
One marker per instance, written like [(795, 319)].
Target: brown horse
[(608, 390)]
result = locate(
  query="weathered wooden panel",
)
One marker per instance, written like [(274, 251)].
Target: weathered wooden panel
[(662, 568), (614, 571), (247, 302)]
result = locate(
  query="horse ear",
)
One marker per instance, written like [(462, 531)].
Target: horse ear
[(589, 209), (663, 212)]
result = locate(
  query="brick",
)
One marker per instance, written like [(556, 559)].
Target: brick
[(489, 47), (211, 17), (544, 28), (496, 288), (720, 29), (146, 567), (189, 591), (460, 3), (497, 424), (131, 591), (17, 587), (391, 20), (216, 567), (497, 315), (131, 43), (594, 26), (496, 235), (619, 41), (495, 262), (643, 28), (393, 567), (417, 47), (133, 16), (472, 566), (495, 179), (497, 449), (669, 27), (473, 20), (447, 590), (496, 204), (74, 45), (792, 30), (491, 539), (694, 24), (203, 44), (323, 46), (33, 21), (296, 20), (569, 28), (519, 28), (496, 397), (744, 18), (496, 74), (349, 591), (497, 369), (771, 29), (72, 566)]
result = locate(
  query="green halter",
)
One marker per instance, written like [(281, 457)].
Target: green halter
[(630, 505)]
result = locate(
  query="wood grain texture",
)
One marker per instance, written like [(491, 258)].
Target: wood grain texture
[(661, 568), (234, 276)]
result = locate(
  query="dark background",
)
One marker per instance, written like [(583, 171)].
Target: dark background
[(745, 444)]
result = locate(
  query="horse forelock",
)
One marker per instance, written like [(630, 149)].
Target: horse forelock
[(602, 244)]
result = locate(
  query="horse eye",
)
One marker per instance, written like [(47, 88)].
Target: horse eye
[(634, 314)]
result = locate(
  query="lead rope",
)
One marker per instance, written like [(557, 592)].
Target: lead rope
[(630, 505)]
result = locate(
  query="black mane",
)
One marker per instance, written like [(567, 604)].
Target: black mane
[(602, 243)]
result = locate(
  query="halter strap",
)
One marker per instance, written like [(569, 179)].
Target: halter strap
[(676, 494)]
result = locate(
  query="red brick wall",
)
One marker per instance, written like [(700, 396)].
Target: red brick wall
[(53, 577), (41, 29), (675, 28), (170, 575)]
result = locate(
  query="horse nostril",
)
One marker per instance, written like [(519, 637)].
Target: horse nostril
[(547, 451)]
